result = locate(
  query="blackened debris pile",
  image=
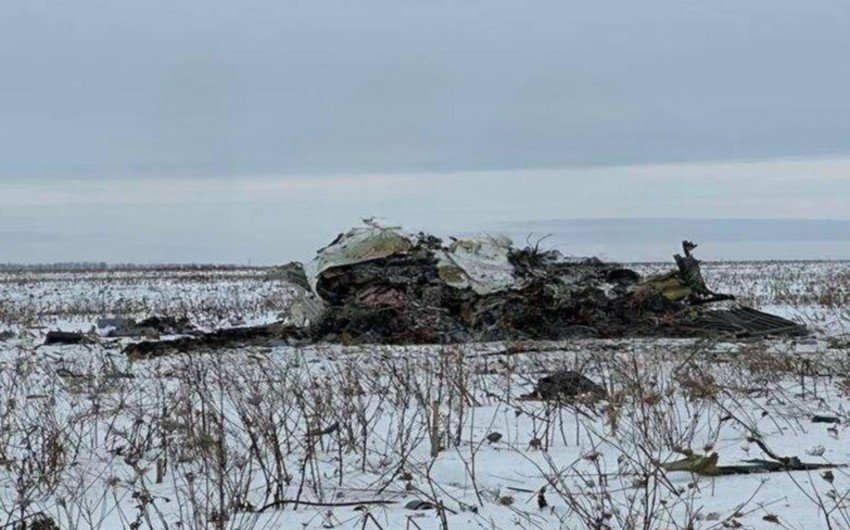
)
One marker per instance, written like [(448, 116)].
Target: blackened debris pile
[(382, 285)]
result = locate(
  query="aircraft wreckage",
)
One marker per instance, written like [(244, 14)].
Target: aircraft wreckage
[(382, 285)]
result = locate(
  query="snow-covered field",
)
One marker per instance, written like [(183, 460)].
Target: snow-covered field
[(354, 437)]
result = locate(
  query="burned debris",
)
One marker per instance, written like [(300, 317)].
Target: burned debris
[(150, 327), (222, 338), (381, 285), (744, 322), (54, 338), (565, 385)]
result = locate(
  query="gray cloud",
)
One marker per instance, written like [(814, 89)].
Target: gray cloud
[(255, 130), (215, 87)]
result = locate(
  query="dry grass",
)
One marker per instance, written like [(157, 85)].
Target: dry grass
[(252, 438)]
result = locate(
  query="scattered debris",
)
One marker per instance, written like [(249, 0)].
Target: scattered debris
[(223, 338), (149, 327), (565, 385), (707, 465), (305, 306), (382, 285), (745, 322), (66, 338), (825, 419)]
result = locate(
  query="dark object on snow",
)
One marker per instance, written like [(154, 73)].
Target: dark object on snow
[(216, 340), (384, 286), (66, 337), (168, 325), (565, 385), (825, 419), (6, 335), (744, 322), (706, 465), (542, 504), (43, 523), (38, 521), (381, 285), (494, 437), (155, 325), (418, 505)]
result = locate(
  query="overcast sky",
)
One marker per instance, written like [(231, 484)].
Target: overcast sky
[(137, 124)]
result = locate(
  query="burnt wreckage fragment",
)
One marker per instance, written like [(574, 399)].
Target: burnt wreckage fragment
[(565, 385), (381, 285)]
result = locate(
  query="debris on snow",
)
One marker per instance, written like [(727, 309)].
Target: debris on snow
[(66, 338), (382, 285), (565, 385), (707, 465), (223, 338), (149, 327)]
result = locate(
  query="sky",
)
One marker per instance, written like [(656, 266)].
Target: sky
[(213, 130)]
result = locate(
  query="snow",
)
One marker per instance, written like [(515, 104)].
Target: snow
[(96, 441)]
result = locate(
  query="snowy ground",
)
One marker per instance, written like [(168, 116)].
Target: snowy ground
[(334, 437)]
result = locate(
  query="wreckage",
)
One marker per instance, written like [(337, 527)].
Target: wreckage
[(377, 284), (382, 285)]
